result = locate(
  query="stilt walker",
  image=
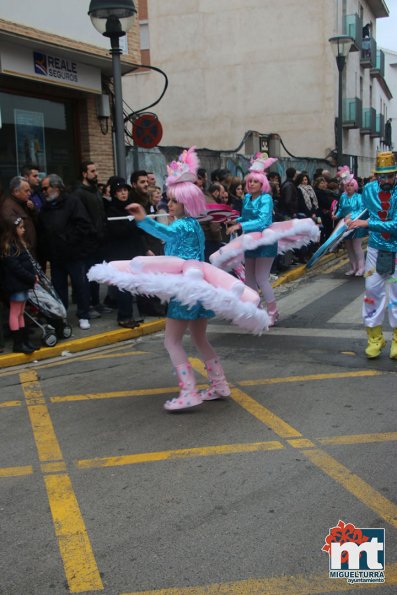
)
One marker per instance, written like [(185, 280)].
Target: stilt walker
[(380, 198)]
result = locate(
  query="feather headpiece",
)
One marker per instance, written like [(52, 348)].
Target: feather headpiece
[(261, 162), (345, 174), (185, 169)]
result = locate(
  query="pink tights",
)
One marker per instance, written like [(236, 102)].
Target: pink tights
[(257, 272), (173, 341), (16, 319)]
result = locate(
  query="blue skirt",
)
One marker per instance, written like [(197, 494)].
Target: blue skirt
[(180, 312)]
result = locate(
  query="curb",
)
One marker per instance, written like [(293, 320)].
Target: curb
[(147, 328), (83, 344)]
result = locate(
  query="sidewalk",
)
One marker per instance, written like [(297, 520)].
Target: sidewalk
[(105, 330)]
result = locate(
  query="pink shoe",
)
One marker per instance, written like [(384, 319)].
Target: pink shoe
[(188, 397), (219, 387), (273, 313), (350, 273), (359, 273), (183, 402)]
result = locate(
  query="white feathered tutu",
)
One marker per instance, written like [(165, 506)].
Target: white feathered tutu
[(188, 281), (290, 235)]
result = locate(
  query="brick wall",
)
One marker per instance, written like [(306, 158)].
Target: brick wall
[(94, 145)]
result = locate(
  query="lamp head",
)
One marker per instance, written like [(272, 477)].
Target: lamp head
[(112, 18)]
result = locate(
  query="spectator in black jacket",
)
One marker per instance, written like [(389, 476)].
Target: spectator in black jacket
[(92, 199), (66, 237), (288, 203), (124, 241)]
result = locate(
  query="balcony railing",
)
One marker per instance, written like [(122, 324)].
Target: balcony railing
[(368, 53), (353, 26), (368, 124), (379, 127), (379, 68), (352, 113)]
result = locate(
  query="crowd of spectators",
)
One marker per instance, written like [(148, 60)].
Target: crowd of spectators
[(68, 231)]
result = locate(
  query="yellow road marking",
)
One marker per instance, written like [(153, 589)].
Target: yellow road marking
[(205, 451), (284, 585), (360, 438), (56, 467), (144, 392), (11, 404), (333, 375), (79, 563), (386, 509), (278, 425), (301, 443), (16, 471), (78, 560)]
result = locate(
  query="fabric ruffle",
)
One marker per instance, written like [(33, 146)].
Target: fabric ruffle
[(188, 287), (290, 235)]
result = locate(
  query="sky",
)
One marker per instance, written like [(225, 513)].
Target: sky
[(386, 29)]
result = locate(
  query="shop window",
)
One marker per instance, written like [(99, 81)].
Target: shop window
[(37, 131)]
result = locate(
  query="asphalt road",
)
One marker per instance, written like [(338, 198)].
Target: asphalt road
[(102, 491)]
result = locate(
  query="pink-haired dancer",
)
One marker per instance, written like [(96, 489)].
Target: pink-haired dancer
[(350, 205), (257, 215), (185, 238)]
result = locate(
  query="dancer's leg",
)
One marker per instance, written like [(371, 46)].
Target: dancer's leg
[(359, 256), (173, 342), (262, 277), (352, 258), (216, 376), (250, 279)]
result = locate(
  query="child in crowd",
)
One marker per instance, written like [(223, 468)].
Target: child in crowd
[(256, 215), (18, 277), (184, 238)]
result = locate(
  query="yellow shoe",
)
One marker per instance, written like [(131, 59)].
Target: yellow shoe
[(393, 350), (376, 342)]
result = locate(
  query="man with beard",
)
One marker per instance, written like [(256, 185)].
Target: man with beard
[(92, 199), (380, 199)]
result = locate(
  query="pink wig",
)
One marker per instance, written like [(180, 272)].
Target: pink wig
[(354, 183), (260, 177), (190, 196)]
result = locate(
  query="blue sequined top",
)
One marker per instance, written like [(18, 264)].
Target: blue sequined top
[(256, 215), (352, 205), (382, 233), (183, 237)]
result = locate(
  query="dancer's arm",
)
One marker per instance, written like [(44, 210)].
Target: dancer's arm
[(158, 230)]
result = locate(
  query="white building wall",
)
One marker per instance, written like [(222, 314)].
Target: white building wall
[(239, 65), (391, 76), (68, 18)]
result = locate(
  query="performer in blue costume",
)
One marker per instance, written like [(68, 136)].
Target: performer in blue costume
[(184, 238), (351, 205), (256, 215), (380, 198)]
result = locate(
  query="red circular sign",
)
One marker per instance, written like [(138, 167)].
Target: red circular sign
[(147, 131)]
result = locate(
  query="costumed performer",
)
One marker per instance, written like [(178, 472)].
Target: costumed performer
[(380, 198), (184, 238), (257, 215), (351, 205)]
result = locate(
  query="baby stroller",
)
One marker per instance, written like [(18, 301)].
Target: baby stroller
[(47, 311)]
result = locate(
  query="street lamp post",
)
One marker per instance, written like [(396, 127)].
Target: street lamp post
[(341, 45), (113, 18)]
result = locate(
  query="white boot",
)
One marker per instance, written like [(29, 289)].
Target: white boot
[(218, 385), (188, 397), (273, 313)]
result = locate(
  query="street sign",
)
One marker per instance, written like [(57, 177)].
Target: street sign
[(147, 131)]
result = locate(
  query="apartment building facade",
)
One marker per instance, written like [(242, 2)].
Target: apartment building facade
[(55, 73), (253, 65)]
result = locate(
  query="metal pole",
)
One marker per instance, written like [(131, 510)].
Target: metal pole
[(340, 60), (116, 51)]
